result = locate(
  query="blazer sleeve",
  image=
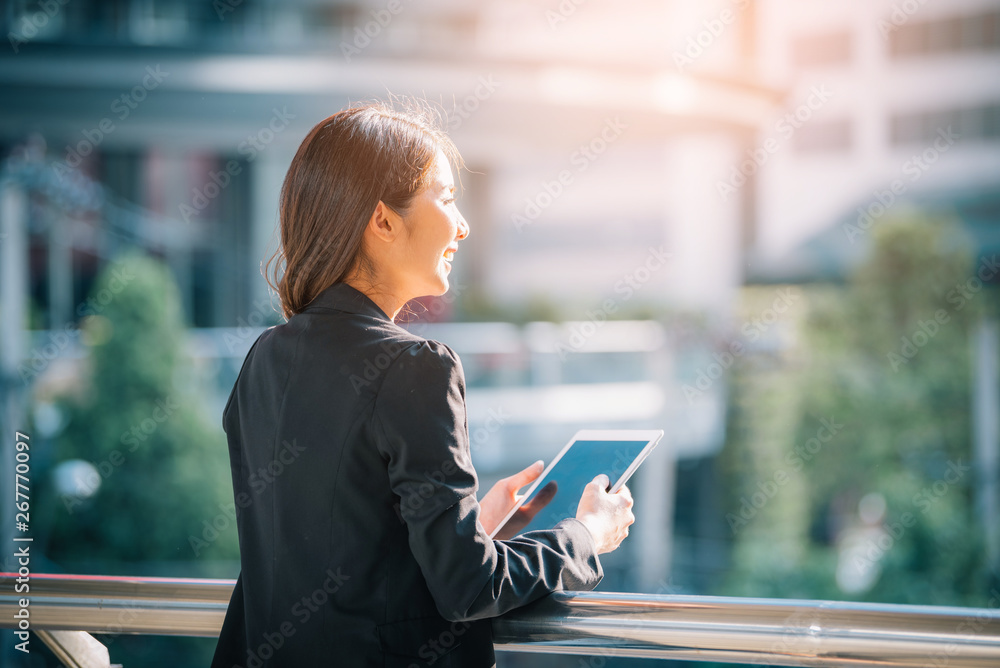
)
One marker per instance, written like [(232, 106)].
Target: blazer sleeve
[(420, 428)]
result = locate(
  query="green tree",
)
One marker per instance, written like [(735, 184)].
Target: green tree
[(886, 357), (163, 468)]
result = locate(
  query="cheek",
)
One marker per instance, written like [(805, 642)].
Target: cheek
[(430, 247), (445, 233)]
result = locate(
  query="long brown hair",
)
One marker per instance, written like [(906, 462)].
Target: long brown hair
[(343, 168)]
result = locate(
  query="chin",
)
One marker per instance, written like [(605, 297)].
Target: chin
[(436, 288)]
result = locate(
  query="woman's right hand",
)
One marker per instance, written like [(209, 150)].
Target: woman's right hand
[(607, 516)]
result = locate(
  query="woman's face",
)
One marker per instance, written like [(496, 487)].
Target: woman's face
[(433, 228)]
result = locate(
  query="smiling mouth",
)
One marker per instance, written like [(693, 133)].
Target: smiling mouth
[(449, 255)]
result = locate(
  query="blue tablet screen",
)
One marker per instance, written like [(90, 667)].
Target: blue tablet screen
[(581, 463)]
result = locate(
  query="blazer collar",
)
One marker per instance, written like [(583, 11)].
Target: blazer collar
[(343, 297)]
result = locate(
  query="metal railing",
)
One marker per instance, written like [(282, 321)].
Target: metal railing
[(699, 628)]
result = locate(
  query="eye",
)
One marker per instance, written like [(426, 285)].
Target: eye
[(449, 200)]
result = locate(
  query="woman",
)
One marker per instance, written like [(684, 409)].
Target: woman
[(361, 539)]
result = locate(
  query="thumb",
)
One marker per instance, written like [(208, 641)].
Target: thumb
[(522, 478), (602, 481)]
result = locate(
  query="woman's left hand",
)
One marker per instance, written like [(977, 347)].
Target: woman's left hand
[(502, 497)]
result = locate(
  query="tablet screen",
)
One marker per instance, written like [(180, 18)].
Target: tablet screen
[(578, 466)]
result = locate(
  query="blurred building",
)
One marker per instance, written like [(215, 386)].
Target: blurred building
[(909, 115), (169, 125), (621, 156), (588, 147)]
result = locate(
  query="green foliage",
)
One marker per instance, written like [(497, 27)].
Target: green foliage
[(475, 306), (888, 357), (163, 467)]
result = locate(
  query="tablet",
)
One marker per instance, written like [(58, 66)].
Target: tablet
[(616, 453)]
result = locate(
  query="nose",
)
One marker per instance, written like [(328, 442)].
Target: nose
[(463, 227)]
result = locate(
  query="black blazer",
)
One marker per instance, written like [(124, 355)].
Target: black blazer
[(356, 505)]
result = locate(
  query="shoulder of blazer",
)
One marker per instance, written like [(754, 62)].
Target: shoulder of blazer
[(419, 366), (246, 360), (397, 346), (426, 355)]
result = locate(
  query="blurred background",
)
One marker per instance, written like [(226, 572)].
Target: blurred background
[(769, 227)]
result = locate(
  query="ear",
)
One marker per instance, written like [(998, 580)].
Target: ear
[(385, 224)]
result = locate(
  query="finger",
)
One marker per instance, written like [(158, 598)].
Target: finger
[(540, 500), (522, 478), (601, 481), (626, 493), (545, 494)]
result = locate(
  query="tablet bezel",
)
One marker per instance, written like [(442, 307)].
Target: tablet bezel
[(651, 436)]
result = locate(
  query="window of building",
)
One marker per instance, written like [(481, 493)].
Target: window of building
[(979, 122), (950, 35)]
